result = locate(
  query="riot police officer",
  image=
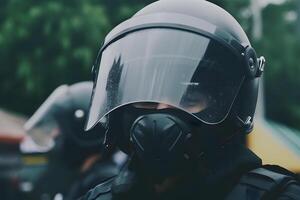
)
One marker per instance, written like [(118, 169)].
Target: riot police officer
[(176, 89), (75, 160)]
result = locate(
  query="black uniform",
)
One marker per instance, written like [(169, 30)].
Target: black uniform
[(175, 87), (98, 173), (221, 182)]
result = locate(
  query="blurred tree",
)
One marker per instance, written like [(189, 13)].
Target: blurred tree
[(239, 9), (44, 44), (48, 43), (281, 46), (120, 10)]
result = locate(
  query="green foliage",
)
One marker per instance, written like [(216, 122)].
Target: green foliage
[(281, 46), (47, 43), (239, 9)]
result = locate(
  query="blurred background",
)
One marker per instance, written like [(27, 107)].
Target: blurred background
[(46, 43)]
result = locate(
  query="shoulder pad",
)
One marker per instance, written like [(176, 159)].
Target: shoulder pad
[(265, 179), (265, 183), (291, 191)]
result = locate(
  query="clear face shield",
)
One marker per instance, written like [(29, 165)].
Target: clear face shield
[(167, 66), (42, 128)]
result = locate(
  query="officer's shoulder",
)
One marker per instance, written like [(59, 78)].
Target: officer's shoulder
[(267, 182), (99, 174), (100, 192), (290, 188), (277, 181)]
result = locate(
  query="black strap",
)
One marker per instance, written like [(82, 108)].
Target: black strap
[(261, 183)]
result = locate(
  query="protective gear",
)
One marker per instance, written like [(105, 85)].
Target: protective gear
[(98, 173), (57, 126), (182, 55), (56, 130), (192, 56), (265, 184), (159, 141)]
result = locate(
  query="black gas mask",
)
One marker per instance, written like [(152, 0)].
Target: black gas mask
[(162, 141), (159, 142)]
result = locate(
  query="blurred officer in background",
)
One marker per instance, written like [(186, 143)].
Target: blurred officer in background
[(176, 88), (75, 160)]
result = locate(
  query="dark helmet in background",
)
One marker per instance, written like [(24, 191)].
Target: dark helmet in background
[(58, 125), (191, 55)]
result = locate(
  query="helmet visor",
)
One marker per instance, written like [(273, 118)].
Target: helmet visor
[(179, 68), (42, 128)]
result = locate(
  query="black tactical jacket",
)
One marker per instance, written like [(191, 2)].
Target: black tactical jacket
[(227, 177), (99, 172)]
